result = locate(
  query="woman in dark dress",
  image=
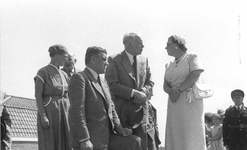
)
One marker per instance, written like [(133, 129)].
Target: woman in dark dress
[(51, 93)]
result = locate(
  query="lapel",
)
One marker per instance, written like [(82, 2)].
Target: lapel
[(106, 91), (94, 82), (127, 65), (140, 71), (243, 109)]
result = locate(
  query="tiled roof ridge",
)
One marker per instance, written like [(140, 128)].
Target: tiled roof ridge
[(20, 97), (19, 107), (21, 103)]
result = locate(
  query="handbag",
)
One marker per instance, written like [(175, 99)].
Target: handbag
[(201, 91)]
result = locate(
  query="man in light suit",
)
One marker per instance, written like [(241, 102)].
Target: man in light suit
[(129, 78), (94, 122)]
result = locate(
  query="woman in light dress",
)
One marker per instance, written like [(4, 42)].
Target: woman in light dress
[(216, 134), (185, 129)]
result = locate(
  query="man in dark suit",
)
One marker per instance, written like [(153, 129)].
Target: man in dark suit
[(69, 65), (129, 79), (94, 122), (235, 123)]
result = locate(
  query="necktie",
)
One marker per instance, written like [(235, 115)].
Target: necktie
[(98, 79), (134, 65), (238, 108), (70, 73)]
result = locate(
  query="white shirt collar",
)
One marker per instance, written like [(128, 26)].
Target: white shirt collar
[(130, 57), (238, 106), (95, 75)]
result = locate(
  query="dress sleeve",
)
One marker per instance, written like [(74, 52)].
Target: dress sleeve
[(195, 63), (40, 76)]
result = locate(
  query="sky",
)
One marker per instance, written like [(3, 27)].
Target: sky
[(212, 29)]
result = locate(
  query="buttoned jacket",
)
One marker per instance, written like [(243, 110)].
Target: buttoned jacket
[(235, 126), (121, 79), (92, 113)]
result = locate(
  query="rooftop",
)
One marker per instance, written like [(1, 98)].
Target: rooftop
[(23, 114)]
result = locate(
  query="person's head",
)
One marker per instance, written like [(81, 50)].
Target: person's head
[(221, 112), (133, 43), (96, 59), (208, 118), (237, 97), (176, 45), (58, 54), (216, 118), (70, 63)]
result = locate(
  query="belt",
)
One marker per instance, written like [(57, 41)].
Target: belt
[(56, 96), (48, 99), (241, 126)]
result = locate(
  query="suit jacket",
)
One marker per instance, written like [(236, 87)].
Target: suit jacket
[(92, 113), (121, 80), (70, 74), (235, 126)]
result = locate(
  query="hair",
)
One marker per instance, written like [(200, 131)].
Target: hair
[(180, 41), (215, 115), (220, 111), (129, 37), (52, 54), (93, 51), (208, 116)]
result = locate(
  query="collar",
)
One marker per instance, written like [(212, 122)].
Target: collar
[(54, 66), (130, 57), (181, 57), (238, 106), (95, 75), (73, 70)]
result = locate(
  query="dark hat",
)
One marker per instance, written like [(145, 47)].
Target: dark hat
[(132, 114), (58, 49), (237, 92)]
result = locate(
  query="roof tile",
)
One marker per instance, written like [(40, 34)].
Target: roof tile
[(23, 114)]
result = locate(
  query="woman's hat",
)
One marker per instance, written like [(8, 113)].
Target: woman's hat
[(58, 49), (237, 92), (132, 114)]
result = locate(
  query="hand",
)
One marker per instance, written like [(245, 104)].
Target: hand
[(174, 94), (44, 121), (226, 147), (140, 96), (86, 145), (147, 92), (126, 132)]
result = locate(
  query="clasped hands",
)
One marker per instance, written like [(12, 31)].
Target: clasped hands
[(123, 131), (140, 97), (174, 94)]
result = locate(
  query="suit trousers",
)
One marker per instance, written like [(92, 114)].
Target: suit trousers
[(119, 142), (147, 142), (238, 147)]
